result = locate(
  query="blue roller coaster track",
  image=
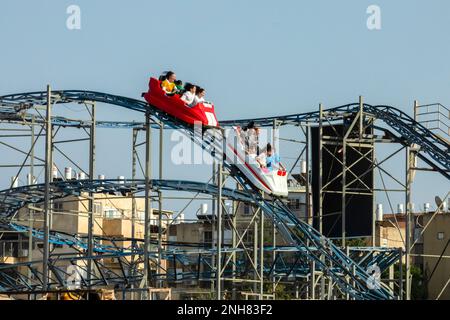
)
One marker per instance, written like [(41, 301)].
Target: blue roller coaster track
[(306, 240), (328, 257), (433, 150)]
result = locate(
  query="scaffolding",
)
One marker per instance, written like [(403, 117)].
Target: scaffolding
[(256, 263)]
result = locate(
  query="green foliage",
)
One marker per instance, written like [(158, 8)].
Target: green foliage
[(418, 286), (282, 291), (357, 242)]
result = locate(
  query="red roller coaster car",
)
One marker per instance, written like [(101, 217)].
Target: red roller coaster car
[(173, 105)]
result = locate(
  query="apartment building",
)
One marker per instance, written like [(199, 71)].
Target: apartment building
[(120, 217), (436, 255)]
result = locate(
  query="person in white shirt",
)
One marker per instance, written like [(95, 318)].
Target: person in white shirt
[(189, 95), (199, 96)]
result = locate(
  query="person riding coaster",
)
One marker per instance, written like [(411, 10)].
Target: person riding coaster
[(168, 84), (239, 150), (270, 160), (264, 170), (189, 108)]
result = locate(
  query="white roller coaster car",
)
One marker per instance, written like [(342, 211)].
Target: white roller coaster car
[(273, 182)]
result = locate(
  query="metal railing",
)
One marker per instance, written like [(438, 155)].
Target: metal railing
[(435, 117)]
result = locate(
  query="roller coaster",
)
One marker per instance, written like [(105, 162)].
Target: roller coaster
[(307, 255)]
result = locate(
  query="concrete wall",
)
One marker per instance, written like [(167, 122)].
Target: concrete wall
[(389, 236)]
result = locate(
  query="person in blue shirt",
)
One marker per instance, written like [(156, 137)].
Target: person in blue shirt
[(273, 159)]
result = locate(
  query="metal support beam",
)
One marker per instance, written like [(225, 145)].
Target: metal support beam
[(309, 214), (400, 272), (148, 209), (320, 213), (30, 211), (48, 179), (160, 202), (90, 251), (408, 227), (274, 228), (361, 117), (322, 279), (255, 253), (344, 189), (312, 280), (213, 223), (133, 209), (261, 256), (219, 233), (234, 244)]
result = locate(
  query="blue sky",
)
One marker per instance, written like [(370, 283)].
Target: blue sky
[(255, 58)]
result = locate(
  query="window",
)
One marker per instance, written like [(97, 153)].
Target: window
[(57, 206), (112, 214), (97, 208), (207, 237), (294, 204), (440, 236), (248, 237), (246, 209)]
